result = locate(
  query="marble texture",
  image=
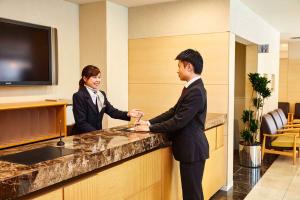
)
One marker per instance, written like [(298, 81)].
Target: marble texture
[(92, 151)]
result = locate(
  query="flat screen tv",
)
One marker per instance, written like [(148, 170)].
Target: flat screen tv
[(26, 53)]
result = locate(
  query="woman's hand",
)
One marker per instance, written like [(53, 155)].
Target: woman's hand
[(135, 113)]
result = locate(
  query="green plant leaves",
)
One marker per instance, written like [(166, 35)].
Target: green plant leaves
[(252, 123), (247, 115), (260, 84)]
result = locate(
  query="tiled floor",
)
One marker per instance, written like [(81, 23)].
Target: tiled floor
[(280, 182), (244, 179)]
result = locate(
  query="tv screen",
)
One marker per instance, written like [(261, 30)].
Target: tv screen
[(25, 53)]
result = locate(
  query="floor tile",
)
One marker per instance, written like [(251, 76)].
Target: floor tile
[(244, 179)]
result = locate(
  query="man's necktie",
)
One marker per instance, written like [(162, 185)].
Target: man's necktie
[(183, 91)]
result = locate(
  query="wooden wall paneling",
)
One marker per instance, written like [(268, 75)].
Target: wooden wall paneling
[(153, 99), (134, 179), (171, 182), (251, 67), (220, 136), (283, 80), (151, 60), (214, 173), (56, 194), (151, 193), (217, 98), (293, 81), (211, 136), (61, 115)]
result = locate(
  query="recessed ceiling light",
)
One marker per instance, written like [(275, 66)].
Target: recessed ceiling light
[(295, 38)]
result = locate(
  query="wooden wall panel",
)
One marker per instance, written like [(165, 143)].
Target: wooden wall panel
[(217, 98), (214, 173), (171, 182), (153, 99), (211, 136), (288, 81), (293, 82), (220, 136), (55, 194), (134, 179), (283, 80), (151, 60)]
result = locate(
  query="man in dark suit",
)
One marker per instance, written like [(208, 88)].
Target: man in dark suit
[(185, 122)]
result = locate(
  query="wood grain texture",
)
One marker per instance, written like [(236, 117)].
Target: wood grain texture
[(139, 178), (151, 60), (52, 195), (22, 123)]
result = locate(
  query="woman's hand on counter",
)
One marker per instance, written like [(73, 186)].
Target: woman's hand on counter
[(135, 113)]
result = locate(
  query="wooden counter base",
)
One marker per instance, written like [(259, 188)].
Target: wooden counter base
[(154, 175)]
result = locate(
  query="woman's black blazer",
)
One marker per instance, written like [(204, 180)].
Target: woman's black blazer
[(86, 113)]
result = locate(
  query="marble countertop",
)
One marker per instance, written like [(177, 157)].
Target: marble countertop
[(91, 151)]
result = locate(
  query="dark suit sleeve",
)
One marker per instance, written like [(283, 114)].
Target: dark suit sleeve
[(163, 117), (184, 114), (80, 114), (113, 112)]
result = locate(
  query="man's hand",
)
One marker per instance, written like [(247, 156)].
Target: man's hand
[(140, 122), (135, 113), (142, 128)]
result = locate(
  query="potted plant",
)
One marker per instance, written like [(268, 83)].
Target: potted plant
[(249, 148)]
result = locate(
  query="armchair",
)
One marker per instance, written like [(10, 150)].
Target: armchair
[(277, 141)]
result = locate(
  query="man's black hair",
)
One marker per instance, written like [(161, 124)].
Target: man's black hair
[(193, 57)]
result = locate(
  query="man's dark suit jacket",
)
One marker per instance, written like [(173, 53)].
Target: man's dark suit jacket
[(86, 114), (186, 124)]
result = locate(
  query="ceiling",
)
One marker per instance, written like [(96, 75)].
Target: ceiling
[(283, 15), (128, 3)]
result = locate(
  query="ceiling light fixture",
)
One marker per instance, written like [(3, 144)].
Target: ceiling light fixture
[(295, 38)]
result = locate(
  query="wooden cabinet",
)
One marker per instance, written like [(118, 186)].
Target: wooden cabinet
[(214, 177), (50, 195), (22, 123), (139, 178)]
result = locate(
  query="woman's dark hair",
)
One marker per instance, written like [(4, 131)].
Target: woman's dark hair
[(87, 72), (193, 57)]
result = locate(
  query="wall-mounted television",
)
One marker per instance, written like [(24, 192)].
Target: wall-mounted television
[(27, 54)]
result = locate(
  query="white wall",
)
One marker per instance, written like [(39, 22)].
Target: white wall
[(62, 15), (179, 18), (248, 25), (117, 58)]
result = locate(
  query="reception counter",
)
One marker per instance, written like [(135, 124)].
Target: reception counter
[(111, 164)]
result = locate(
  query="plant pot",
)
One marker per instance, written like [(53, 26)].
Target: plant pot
[(250, 155)]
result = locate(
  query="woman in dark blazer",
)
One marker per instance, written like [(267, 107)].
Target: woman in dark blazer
[(90, 103)]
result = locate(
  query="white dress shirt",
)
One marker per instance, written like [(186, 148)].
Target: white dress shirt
[(186, 86), (191, 81), (96, 95)]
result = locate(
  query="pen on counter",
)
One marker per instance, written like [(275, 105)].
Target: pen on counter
[(141, 115)]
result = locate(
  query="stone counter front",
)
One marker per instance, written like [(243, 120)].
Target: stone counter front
[(92, 151)]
